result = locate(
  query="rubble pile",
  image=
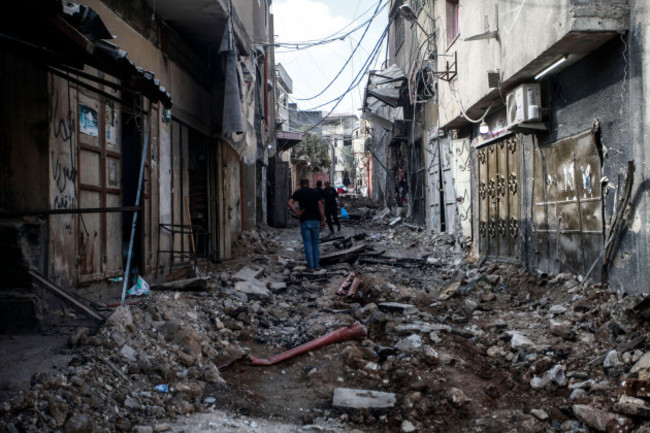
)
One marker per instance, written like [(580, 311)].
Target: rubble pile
[(449, 345)]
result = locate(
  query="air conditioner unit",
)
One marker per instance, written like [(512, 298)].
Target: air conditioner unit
[(523, 105)]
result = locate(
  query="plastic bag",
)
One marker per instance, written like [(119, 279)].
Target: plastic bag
[(141, 287), (344, 213)]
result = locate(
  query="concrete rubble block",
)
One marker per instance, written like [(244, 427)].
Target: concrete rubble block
[(642, 364), (410, 344), (519, 341), (632, 406), (555, 375), (457, 398), (410, 328), (396, 307), (408, 427), (540, 414), (602, 420), (362, 399), (585, 384), (469, 306), (252, 289), (611, 360), (129, 353), (120, 319), (276, 286), (142, 429), (556, 310), (247, 274)]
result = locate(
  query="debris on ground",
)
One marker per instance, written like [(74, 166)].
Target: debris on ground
[(450, 344)]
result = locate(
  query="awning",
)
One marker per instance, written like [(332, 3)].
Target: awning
[(286, 139), (74, 35), (383, 97)]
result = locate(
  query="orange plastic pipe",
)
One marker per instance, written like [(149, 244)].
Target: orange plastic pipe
[(353, 331)]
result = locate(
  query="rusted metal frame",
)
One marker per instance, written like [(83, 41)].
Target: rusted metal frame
[(21, 213)]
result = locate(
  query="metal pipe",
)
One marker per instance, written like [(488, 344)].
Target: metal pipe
[(353, 331), (145, 148)]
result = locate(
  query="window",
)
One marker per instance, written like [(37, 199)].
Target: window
[(399, 32), (453, 20)]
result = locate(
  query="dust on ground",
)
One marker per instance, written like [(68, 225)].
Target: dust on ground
[(462, 345)]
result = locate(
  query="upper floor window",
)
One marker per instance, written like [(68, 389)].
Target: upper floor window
[(453, 20)]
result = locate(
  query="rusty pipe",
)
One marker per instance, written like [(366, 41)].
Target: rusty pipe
[(352, 293), (347, 333)]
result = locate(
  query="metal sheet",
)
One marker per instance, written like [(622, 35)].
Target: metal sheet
[(568, 222)]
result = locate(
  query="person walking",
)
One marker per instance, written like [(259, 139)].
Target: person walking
[(331, 197), (312, 219)]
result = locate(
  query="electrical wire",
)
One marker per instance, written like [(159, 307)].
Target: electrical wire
[(338, 74), (301, 45), (359, 76)]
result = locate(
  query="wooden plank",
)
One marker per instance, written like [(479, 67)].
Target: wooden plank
[(46, 284)]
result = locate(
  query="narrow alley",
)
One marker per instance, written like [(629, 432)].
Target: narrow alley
[(314, 216)]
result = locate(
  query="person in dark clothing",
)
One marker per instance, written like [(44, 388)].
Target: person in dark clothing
[(330, 197), (312, 219)]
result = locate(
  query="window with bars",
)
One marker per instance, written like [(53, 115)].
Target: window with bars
[(453, 20)]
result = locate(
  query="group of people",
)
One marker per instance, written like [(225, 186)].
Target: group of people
[(317, 206)]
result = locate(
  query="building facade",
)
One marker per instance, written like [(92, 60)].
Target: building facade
[(528, 114), (114, 109)]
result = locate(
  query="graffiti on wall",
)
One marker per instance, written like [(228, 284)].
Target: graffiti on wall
[(63, 190)]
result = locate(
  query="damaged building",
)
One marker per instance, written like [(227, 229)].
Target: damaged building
[(522, 126), (115, 112)]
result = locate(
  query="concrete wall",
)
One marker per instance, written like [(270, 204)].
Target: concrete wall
[(629, 270), (525, 31)]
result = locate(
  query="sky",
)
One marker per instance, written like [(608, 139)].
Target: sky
[(314, 68)]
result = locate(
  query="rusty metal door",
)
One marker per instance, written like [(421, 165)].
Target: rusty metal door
[(567, 216), (499, 212)]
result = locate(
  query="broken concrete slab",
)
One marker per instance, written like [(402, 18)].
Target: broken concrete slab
[(599, 419), (251, 288), (411, 344), (410, 328), (396, 307), (362, 399), (248, 273)]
